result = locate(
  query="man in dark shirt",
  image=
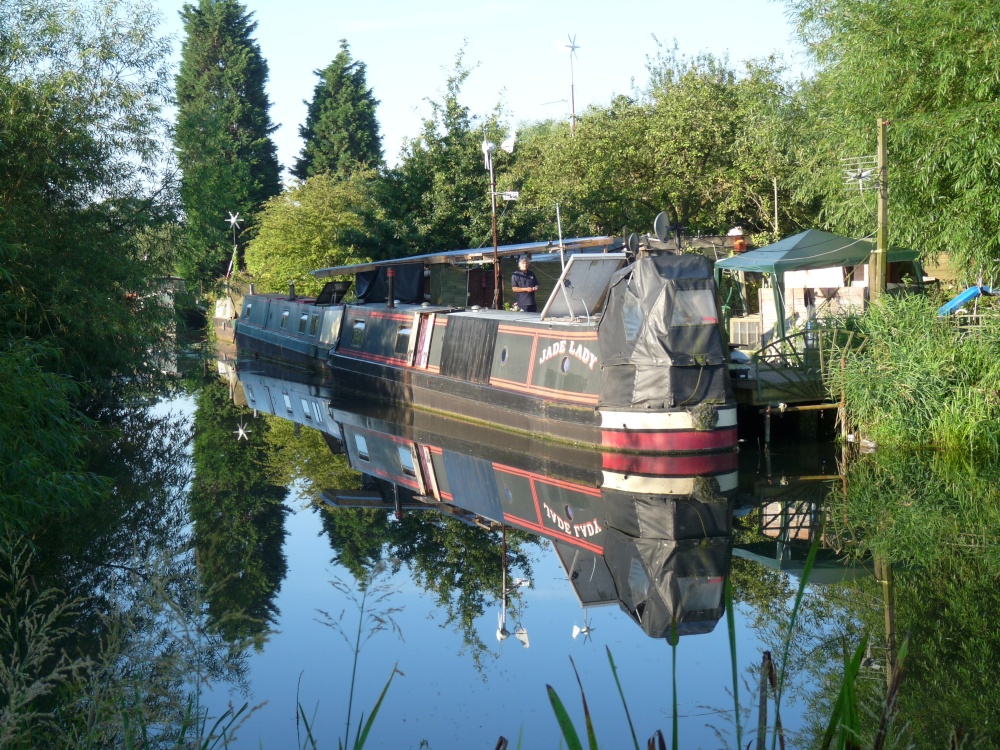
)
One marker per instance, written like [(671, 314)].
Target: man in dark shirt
[(524, 285)]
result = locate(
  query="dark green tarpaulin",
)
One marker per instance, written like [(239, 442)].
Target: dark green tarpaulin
[(804, 251)]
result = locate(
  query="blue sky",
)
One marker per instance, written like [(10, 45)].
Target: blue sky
[(520, 48)]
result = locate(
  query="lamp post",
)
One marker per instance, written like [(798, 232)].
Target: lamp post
[(488, 148)]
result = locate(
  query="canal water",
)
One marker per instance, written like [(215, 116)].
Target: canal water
[(287, 587)]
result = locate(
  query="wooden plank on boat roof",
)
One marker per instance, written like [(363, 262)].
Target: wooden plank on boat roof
[(484, 254)]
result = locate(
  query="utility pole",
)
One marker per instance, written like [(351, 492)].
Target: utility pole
[(879, 261)]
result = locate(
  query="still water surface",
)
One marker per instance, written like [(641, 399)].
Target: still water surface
[(247, 512)]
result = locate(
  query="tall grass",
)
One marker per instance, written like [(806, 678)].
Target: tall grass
[(923, 381)]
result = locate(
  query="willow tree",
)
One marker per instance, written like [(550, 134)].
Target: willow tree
[(341, 130), (931, 69), (223, 140)]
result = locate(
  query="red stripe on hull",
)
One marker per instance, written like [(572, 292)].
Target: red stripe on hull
[(672, 466), (674, 441)]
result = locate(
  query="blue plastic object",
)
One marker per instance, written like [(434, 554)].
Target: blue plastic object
[(967, 296)]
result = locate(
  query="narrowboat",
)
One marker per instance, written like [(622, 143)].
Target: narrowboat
[(627, 353), (652, 534)]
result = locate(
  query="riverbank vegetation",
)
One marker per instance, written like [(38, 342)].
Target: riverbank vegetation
[(922, 381)]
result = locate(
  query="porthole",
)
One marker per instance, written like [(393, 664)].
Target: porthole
[(565, 365), (358, 334), (507, 494), (569, 512), (362, 446)]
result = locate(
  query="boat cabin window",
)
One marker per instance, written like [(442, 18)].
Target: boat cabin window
[(406, 461), (246, 310), (305, 409), (403, 338), (317, 413), (362, 447), (284, 319), (358, 334), (314, 325), (693, 307), (288, 403), (303, 319), (248, 389)]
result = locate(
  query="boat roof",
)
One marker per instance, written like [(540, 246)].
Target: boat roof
[(474, 254)]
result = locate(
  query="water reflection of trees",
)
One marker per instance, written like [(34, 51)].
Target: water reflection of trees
[(925, 533), (238, 516), (938, 525), (123, 582), (460, 565)]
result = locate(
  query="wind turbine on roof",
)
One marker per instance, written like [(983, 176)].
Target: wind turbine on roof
[(572, 47)]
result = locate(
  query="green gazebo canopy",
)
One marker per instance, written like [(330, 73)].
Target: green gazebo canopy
[(804, 251), (812, 248)]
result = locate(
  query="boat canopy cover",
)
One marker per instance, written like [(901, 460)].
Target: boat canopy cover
[(660, 338), (806, 250), (663, 584), (408, 284)]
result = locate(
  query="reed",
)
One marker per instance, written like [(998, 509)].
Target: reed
[(923, 381)]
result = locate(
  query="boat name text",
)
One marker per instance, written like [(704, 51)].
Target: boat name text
[(576, 349), (567, 527)]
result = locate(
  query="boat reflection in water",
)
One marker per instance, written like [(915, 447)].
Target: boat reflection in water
[(652, 533)]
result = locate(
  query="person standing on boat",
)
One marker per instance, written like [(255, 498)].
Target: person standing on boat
[(524, 284)]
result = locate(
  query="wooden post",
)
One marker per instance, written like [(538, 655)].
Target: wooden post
[(883, 574), (879, 261)]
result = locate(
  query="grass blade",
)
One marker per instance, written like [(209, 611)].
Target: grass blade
[(844, 716), (363, 737), (591, 737), (731, 625), (621, 693), (565, 723), (786, 646)]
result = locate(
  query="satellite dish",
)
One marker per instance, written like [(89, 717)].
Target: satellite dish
[(661, 226), (632, 243)]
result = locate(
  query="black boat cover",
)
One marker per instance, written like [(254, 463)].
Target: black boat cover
[(408, 284), (660, 336)]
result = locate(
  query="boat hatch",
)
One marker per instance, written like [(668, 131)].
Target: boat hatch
[(582, 285)]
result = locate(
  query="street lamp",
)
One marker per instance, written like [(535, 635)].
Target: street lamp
[(488, 148)]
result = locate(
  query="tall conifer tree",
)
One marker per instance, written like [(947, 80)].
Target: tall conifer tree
[(341, 131), (223, 138)]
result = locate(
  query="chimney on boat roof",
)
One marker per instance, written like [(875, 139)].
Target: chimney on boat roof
[(291, 291)]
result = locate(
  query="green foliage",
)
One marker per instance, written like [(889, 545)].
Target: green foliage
[(439, 193), (82, 85), (329, 220), (704, 142), (341, 130), (223, 134), (42, 439), (932, 70), (923, 381)]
